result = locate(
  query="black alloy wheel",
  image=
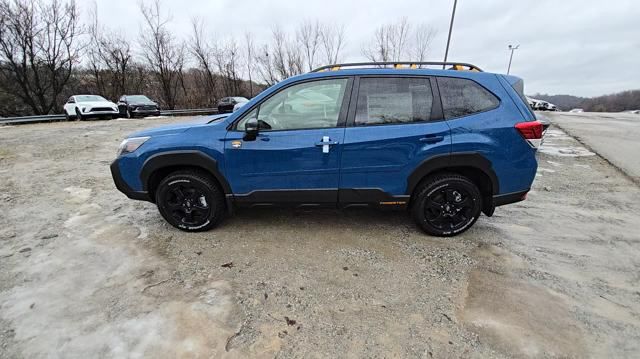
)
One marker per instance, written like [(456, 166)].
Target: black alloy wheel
[(190, 200), (446, 205)]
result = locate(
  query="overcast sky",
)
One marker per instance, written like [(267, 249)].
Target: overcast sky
[(579, 47)]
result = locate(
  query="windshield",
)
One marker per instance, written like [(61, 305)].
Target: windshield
[(141, 98), (89, 98)]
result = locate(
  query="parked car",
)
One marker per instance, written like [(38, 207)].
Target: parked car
[(444, 144), (137, 105), (81, 107), (226, 104), (576, 110), (239, 105)]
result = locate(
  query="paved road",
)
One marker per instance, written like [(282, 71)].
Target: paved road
[(614, 136)]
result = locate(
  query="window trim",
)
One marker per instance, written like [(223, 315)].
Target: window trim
[(436, 107), (342, 114), (471, 114)]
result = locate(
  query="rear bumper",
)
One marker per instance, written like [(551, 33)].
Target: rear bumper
[(123, 187), (508, 198)]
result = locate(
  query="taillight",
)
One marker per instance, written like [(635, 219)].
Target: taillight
[(531, 131)]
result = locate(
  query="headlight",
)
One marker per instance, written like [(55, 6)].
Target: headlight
[(131, 144)]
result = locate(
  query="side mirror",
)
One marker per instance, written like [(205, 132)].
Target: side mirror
[(251, 129)]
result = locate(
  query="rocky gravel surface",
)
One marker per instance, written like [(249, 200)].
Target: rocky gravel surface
[(86, 272)]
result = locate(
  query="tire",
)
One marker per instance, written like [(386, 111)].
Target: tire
[(66, 116), (190, 200), (446, 204), (129, 115)]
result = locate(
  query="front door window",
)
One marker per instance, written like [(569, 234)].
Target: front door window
[(307, 105)]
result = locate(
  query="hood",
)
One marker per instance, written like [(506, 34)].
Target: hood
[(180, 127), (142, 103), (96, 104)]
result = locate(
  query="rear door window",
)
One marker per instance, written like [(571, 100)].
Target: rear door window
[(463, 97), (393, 100)]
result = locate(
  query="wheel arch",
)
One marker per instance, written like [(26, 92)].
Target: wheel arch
[(159, 165), (472, 165)]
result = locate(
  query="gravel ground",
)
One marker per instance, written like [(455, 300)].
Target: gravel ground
[(85, 272)]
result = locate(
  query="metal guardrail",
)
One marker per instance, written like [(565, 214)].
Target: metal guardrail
[(52, 118)]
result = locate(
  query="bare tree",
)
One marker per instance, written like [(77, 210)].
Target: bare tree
[(280, 59), (423, 36), (227, 58), (308, 35), (249, 59), (38, 50), (204, 54), (390, 42), (265, 66), (111, 61), (333, 42), (163, 53)]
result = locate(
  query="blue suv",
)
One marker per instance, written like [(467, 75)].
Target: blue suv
[(444, 144)]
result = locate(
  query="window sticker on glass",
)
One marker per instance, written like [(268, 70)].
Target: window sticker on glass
[(389, 107), (392, 100)]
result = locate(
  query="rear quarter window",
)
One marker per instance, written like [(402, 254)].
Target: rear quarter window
[(463, 97)]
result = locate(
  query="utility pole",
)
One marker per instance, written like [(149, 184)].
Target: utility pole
[(512, 48), (453, 15)]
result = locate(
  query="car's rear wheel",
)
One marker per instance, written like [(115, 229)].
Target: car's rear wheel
[(190, 200), (447, 204)]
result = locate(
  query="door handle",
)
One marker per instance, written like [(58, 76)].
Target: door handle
[(330, 143), (325, 143), (432, 139)]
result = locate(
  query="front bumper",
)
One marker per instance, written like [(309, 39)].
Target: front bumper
[(146, 112), (100, 113), (123, 187)]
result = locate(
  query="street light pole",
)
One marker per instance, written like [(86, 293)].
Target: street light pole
[(512, 48), (453, 15)]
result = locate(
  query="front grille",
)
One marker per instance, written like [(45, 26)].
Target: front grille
[(146, 108), (97, 109)]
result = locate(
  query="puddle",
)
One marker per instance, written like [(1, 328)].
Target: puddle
[(520, 318)]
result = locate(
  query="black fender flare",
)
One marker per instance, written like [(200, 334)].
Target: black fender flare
[(458, 159), (192, 158)]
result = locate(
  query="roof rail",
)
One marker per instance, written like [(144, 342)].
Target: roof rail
[(400, 64)]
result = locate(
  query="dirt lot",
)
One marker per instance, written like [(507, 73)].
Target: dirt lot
[(85, 272)]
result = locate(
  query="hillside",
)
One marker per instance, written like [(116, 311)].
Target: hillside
[(621, 101)]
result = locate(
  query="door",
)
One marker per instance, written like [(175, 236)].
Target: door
[(122, 105), (395, 125), (70, 106), (296, 155)]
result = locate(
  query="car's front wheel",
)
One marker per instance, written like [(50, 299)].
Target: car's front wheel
[(190, 200), (447, 204)]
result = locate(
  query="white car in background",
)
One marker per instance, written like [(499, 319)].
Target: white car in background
[(237, 106), (576, 110), (81, 107)]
